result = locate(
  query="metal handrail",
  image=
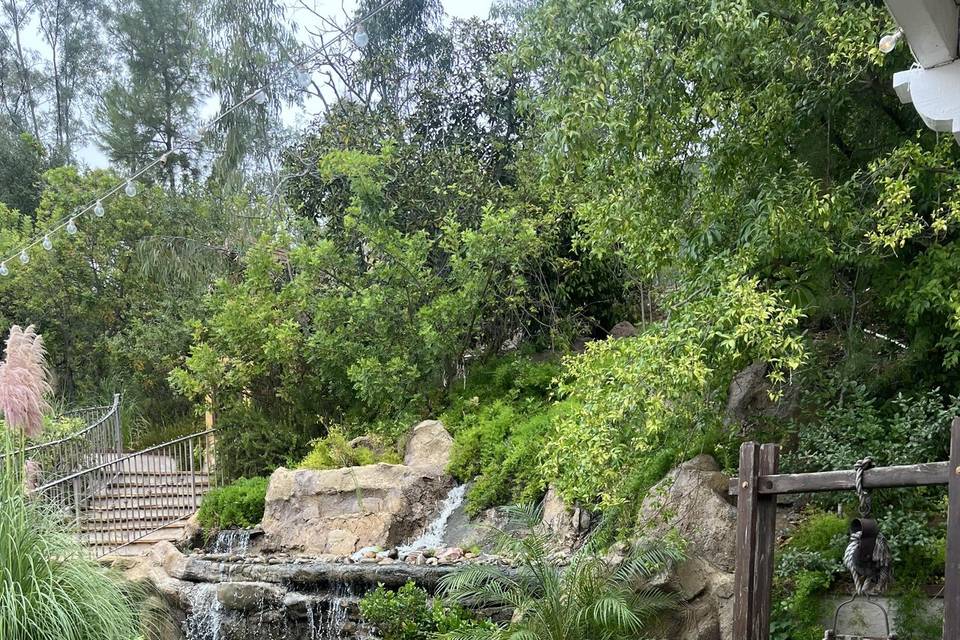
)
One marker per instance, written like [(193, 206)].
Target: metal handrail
[(121, 501), (111, 409), (130, 456)]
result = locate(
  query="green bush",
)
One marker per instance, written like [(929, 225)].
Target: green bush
[(334, 452), (806, 567), (501, 420), (408, 614), (249, 443), (239, 504)]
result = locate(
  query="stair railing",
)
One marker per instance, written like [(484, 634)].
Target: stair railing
[(126, 499), (100, 440)]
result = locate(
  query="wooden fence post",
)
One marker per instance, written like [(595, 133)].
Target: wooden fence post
[(744, 611), (765, 545), (951, 589)]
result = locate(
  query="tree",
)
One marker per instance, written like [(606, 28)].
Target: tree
[(152, 110), (71, 30)]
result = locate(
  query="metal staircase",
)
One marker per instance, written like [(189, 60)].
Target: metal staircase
[(121, 503)]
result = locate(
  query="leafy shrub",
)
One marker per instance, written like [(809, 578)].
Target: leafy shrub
[(239, 504), (586, 600), (49, 587), (910, 429), (407, 614), (663, 389), (334, 451), (502, 419), (249, 443), (914, 620), (806, 567)]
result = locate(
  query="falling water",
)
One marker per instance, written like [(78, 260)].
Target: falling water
[(327, 622), (236, 541), (432, 537), (206, 614)]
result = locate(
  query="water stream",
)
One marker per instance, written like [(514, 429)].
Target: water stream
[(433, 535)]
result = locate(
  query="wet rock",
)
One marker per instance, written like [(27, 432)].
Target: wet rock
[(249, 596)]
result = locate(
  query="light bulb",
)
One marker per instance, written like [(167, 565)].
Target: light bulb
[(47, 243), (72, 227), (24, 257), (98, 209), (889, 42), (260, 97), (304, 78), (130, 189), (3, 269), (360, 37)]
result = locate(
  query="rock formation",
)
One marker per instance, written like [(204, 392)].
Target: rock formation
[(692, 501)]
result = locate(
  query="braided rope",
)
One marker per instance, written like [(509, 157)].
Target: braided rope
[(866, 504)]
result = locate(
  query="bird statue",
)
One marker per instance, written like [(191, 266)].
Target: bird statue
[(872, 569), (867, 556)]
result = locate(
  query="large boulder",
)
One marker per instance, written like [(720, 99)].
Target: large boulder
[(429, 447), (567, 526), (748, 398), (340, 511), (693, 501)]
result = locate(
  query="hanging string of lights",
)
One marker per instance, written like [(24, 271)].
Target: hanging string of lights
[(97, 206)]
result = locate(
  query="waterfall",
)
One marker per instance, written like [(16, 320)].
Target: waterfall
[(327, 623), (206, 613), (432, 537), (235, 541)]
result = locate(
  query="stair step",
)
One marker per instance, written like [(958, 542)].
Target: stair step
[(126, 515), (139, 524), (135, 491), (142, 502), (153, 480), (116, 538)]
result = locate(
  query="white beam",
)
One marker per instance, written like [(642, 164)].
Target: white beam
[(930, 27), (935, 94)]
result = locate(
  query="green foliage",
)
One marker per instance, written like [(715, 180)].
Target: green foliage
[(501, 419), (50, 589), (806, 567), (334, 451), (662, 390), (250, 443), (407, 614), (332, 334), (586, 600), (908, 430), (914, 620), (238, 504)]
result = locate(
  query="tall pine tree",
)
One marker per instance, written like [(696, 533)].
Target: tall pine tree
[(152, 107)]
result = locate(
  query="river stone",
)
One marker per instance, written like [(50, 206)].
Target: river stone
[(429, 446), (339, 511)]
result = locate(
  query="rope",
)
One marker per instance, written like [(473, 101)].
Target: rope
[(859, 468)]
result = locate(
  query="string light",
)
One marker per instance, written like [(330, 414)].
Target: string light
[(360, 37), (303, 78), (889, 42)]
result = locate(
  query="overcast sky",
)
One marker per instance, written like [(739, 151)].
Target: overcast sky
[(92, 156)]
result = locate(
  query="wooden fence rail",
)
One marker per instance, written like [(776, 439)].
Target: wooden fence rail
[(757, 487)]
